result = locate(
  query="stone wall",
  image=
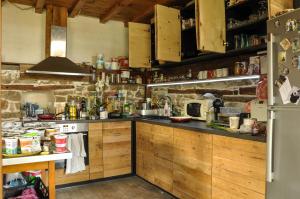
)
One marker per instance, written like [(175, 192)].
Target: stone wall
[(15, 83), (235, 93)]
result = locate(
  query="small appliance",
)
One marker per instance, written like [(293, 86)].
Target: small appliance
[(197, 109)]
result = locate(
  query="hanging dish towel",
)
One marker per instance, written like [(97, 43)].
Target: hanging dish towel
[(76, 146)]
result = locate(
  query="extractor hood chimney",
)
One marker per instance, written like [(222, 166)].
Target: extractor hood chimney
[(57, 63)]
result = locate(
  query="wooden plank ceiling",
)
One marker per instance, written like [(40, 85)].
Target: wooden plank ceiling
[(105, 10)]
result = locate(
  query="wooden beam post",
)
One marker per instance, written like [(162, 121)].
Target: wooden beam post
[(39, 6), (115, 9), (57, 16), (76, 8)]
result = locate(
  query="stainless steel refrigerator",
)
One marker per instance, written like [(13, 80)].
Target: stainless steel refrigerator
[(283, 139)]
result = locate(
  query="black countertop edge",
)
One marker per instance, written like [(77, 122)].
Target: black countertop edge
[(82, 120), (193, 126), (201, 127)]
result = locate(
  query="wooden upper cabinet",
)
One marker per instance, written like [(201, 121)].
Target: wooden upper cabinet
[(167, 34), (139, 45), (210, 25), (276, 6)]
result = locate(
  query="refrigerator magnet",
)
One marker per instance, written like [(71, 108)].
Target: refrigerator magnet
[(277, 23), (295, 62), (282, 56), (285, 71), (296, 45), (295, 95), (291, 25), (285, 44), (285, 90)]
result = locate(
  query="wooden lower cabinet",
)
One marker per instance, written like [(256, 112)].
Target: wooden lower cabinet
[(195, 165), (192, 164), (96, 150), (116, 148), (238, 169), (144, 151)]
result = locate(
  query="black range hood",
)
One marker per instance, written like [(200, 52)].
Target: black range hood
[(58, 66), (57, 63)]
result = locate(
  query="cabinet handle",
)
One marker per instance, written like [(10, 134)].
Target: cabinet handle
[(270, 147)]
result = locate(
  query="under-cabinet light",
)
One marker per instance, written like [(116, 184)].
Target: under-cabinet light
[(222, 79)]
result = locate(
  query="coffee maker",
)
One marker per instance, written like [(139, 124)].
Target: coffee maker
[(217, 104)]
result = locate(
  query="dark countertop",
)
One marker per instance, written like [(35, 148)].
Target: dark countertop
[(82, 120), (192, 125), (201, 127)]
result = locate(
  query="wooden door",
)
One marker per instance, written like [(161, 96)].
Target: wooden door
[(210, 25), (116, 148), (167, 34), (145, 151), (192, 164), (163, 157), (239, 168), (139, 45), (95, 150)]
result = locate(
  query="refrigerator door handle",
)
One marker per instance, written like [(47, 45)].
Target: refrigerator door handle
[(271, 61), (270, 160)]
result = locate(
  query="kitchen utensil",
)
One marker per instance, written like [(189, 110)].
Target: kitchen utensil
[(225, 72), (217, 104), (234, 122), (181, 119), (46, 116)]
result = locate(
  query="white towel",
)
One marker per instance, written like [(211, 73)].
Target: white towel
[(76, 145)]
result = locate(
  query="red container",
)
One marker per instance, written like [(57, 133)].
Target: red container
[(60, 139)]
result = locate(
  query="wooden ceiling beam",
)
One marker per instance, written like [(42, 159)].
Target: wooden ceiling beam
[(143, 15), (39, 6), (150, 10), (76, 8), (115, 9)]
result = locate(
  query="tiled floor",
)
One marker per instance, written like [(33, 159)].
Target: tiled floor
[(124, 188)]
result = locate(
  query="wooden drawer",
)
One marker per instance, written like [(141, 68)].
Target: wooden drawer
[(117, 148), (116, 125)]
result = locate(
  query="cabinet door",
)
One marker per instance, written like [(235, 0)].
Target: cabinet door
[(145, 151), (116, 148), (139, 45), (167, 33), (210, 25), (192, 164), (95, 151), (163, 157), (276, 6), (239, 168)]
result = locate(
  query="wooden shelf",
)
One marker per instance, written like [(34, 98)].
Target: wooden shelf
[(126, 84), (242, 4), (211, 56), (214, 80), (246, 25)]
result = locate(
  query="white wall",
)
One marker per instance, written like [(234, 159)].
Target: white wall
[(24, 37)]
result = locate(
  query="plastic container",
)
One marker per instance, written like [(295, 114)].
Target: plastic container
[(60, 143), (11, 146), (26, 144)]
